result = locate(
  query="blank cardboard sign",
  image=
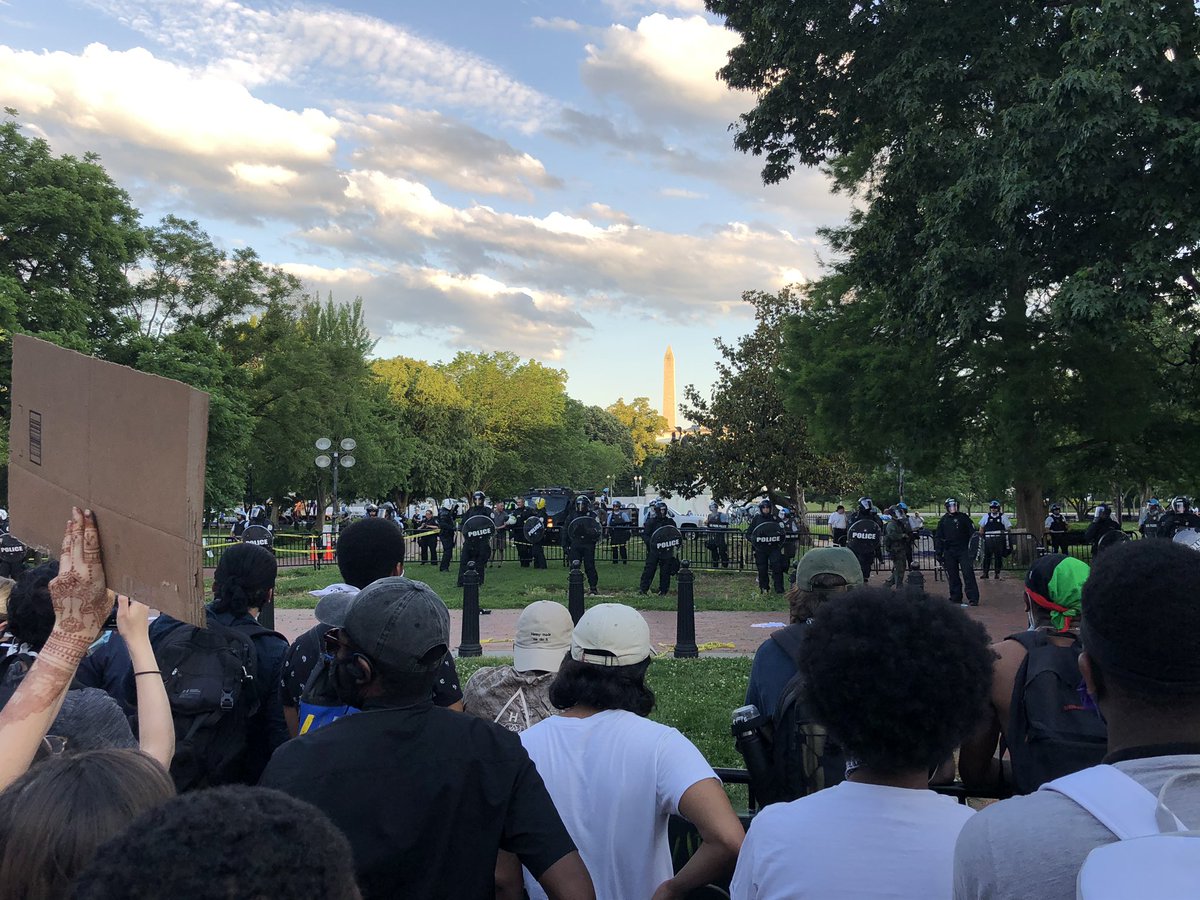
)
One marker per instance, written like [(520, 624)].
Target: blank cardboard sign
[(127, 445)]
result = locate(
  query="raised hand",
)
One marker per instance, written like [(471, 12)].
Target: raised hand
[(81, 603)]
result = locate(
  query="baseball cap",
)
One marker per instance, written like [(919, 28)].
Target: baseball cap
[(543, 637), (828, 561), (398, 623), (331, 608), (611, 634)]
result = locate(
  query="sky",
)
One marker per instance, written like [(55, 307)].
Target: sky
[(555, 178)]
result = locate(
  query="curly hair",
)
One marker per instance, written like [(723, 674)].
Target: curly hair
[(267, 845), (899, 679), (803, 605), (369, 549), (602, 687), (30, 611), (244, 578)]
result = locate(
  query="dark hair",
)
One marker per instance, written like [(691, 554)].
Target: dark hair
[(899, 679), (602, 687), (244, 577), (55, 816), (1132, 588), (270, 845), (803, 605), (369, 549), (30, 611)]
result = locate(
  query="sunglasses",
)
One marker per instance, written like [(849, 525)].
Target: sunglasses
[(332, 642)]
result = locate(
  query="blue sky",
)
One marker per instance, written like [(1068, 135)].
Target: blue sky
[(552, 178)]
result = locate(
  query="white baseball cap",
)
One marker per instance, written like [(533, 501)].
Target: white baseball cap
[(611, 634), (543, 637)]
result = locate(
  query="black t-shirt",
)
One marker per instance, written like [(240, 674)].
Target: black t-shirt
[(426, 797), (305, 653)]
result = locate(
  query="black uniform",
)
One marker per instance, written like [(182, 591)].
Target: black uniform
[(524, 550), (768, 558), (663, 562), (1152, 524), (427, 543), (1098, 529), (1058, 533), (717, 524), (1177, 521), (866, 549), (475, 549), (994, 534), (584, 551), (952, 548), (446, 522), (618, 535)]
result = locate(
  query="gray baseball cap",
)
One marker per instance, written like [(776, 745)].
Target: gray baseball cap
[(398, 623), (828, 561)]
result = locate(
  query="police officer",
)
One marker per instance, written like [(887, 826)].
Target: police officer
[(1151, 520), (239, 526), (717, 523), (372, 511), (1178, 517), (581, 546), (427, 541), (952, 548), (447, 522), (865, 535), (1102, 524), (768, 557), (520, 514), (476, 548), (1056, 527), (539, 552), (897, 535), (993, 531), (618, 533), (3, 521), (656, 559), (791, 537)]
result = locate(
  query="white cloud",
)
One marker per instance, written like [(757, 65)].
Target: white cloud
[(682, 194), (665, 70), (158, 104), (325, 47), (556, 23)]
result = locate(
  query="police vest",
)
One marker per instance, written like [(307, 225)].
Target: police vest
[(1058, 524), (1151, 525), (993, 529)]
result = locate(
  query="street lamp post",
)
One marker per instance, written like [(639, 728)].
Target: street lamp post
[(637, 485), (335, 460)]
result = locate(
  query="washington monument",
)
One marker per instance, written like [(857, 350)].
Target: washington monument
[(668, 407)]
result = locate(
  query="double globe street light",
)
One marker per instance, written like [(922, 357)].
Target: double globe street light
[(335, 460)]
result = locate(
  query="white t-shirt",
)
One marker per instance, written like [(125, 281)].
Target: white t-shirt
[(839, 520), (852, 841), (616, 778)]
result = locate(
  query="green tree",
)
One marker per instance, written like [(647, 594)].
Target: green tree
[(749, 439), (644, 424), (1024, 175)]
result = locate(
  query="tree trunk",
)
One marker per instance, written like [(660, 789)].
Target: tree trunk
[(1031, 508)]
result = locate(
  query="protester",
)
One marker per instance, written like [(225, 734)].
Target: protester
[(518, 696), (1034, 709), (897, 679), (616, 776), (1141, 664), (55, 816), (426, 797), (368, 549), (226, 843)]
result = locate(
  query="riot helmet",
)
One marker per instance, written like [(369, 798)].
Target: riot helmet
[(1181, 505), (951, 505), (712, 506), (1102, 512), (902, 506), (864, 503), (3, 515), (1055, 509), (540, 503), (372, 511), (616, 504), (995, 504), (661, 507), (477, 498), (447, 504), (582, 504), (258, 513), (766, 506), (1153, 504)]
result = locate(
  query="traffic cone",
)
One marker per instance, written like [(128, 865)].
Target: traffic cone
[(329, 548), (312, 550)]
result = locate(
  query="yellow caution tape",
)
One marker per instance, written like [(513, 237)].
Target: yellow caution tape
[(496, 640), (707, 645)]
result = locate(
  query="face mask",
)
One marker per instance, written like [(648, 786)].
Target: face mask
[(349, 691)]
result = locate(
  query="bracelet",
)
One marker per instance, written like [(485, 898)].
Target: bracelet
[(147, 672)]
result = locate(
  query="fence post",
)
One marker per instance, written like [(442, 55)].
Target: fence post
[(470, 645), (685, 620), (575, 592)]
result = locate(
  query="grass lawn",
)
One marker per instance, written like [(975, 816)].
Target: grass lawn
[(511, 587)]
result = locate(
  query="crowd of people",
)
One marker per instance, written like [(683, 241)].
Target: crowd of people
[(163, 759)]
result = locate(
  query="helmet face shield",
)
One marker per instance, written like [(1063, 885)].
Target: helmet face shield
[(951, 505)]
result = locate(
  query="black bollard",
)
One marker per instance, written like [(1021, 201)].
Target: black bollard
[(575, 592), (470, 645), (685, 622)]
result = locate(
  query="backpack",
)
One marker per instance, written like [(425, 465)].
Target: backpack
[(1050, 731), (210, 675), (1156, 855), (804, 759), (319, 704)]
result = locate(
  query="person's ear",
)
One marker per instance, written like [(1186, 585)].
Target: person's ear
[(362, 671), (1089, 675), (399, 569)]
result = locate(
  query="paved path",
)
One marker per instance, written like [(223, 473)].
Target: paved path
[(1001, 611)]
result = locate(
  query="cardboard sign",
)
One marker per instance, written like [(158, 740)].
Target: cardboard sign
[(127, 445)]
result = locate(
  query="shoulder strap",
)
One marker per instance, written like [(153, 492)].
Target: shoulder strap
[(789, 639), (1117, 802)]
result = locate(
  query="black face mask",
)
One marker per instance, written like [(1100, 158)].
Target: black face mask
[(349, 690)]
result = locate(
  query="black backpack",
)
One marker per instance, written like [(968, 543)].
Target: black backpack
[(804, 759), (1050, 732), (211, 679)]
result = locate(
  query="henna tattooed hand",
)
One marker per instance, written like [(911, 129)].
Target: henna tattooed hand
[(81, 603)]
